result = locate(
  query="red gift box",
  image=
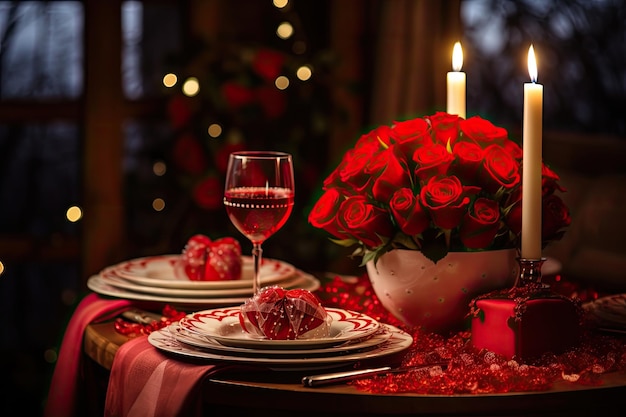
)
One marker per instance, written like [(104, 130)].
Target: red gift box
[(525, 326)]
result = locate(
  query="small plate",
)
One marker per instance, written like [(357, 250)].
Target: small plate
[(223, 326), (398, 342), (196, 340), (159, 271)]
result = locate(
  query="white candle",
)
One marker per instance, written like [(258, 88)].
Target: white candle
[(531, 165), (456, 83)]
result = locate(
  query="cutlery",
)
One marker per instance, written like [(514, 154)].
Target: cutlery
[(336, 377), (141, 316)]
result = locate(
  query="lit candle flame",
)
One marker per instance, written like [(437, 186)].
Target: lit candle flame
[(532, 64), (457, 57)]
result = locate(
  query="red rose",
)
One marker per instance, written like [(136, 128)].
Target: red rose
[(189, 155), (390, 174), (365, 221), (445, 127), (469, 158), (208, 193), (409, 214), (500, 169), (555, 217), (324, 212), (379, 137), (447, 200), (411, 134), (432, 161), (482, 132), (353, 172), (513, 149), (549, 181), (480, 224)]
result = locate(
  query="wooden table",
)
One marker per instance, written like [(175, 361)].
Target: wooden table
[(281, 394)]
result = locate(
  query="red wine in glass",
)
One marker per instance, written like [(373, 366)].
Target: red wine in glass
[(259, 197), (258, 212)]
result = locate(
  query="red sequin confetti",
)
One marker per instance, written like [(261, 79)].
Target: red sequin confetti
[(473, 371), (131, 329)]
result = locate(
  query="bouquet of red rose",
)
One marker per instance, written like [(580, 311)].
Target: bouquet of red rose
[(436, 184)]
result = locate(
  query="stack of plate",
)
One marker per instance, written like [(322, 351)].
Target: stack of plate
[(217, 335), (154, 279)]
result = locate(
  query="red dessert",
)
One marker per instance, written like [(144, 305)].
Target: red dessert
[(205, 260), (525, 326), (279, 314)]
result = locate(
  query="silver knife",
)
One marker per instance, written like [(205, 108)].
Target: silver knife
[(141, 316), (336, 377)]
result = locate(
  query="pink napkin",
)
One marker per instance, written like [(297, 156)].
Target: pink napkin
[(63, 387), (145, 382)]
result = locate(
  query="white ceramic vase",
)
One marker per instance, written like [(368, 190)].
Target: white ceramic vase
[(436, 297)]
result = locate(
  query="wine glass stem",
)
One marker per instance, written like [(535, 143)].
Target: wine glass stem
[(257, 255)]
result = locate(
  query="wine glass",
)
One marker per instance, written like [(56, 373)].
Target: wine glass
[(258, 197)]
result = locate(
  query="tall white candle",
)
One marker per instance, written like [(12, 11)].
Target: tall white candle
[(531, 165), (456, 83)]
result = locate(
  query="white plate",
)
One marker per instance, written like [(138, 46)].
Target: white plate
[(158, 271), (97, 284), (608, 311), (109, 277), (207, 343), (399, 341), (223, 325)]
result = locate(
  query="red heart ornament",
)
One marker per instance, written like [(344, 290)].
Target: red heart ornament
[(279, 314), (205, 260)]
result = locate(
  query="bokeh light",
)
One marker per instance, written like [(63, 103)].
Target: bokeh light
[(284, 30), (214, 130), (304, 73), (191, 87), (74, 214), (281, 82), (170, 80)]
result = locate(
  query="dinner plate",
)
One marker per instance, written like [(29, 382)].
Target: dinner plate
[(159, 271), (397, 342), (97, 284), (223, 325), (110, 277), (196, 340), (608, 311)]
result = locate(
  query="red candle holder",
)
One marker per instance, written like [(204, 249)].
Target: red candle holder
[(526, 320)]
